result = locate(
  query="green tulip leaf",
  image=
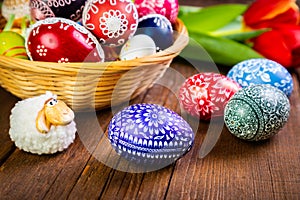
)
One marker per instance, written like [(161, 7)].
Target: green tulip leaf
[(213, 17), (235, 31), (184, 10), (220, 50), (245, 35)]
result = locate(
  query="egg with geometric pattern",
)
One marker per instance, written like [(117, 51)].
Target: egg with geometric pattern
[(257, 112), (150, 135)]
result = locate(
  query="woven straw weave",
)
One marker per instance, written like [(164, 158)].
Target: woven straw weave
[(89, 85)]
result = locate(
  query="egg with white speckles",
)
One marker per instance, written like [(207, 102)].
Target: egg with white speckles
[(150, 134), (63, 41), (262, 71), (257, 112), (138, 46)]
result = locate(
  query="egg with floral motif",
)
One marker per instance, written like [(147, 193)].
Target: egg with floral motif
[(205, 95), (113, 22), (159, 28), (42, 9), (167, 8), (257, 112), (262, 71), (62, 40), (150, 134)]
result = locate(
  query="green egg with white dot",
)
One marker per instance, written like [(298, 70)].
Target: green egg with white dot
[(257, 112)]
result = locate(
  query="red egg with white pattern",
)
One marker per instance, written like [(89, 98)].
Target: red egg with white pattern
[(62, 40), (205, 95), (167, 8), (113, 22)]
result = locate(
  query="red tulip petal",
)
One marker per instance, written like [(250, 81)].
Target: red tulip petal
[(263, 13), (272, 45), (288, 17), (291, 35)]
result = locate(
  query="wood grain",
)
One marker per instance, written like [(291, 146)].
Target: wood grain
[(234, 169)]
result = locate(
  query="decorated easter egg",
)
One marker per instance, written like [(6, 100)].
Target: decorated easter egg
[(257, 112), (167, 8), (262, 71), (112, 22), (62, 40), (205, 95), (41, 9), (12, 44), (138, 46), (150, 134), (159, 28)]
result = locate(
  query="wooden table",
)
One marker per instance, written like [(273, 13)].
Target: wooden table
[(234, 169)]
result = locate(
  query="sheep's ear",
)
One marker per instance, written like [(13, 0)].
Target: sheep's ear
[(42, 125)]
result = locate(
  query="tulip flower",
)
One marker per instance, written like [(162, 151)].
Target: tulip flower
[(280, 45), (267, 13), (283, 40)]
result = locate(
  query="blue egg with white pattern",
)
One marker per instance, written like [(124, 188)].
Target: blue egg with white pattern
[(150, 134), (159, 28), (262, 71)]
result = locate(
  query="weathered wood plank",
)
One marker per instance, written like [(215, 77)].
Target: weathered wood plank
[(234, 169), (47, 176), (263, 170), (7, 102), (119, 181), (77, 165), (126, 185)]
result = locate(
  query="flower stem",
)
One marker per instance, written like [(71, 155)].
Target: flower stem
[(9, 23)]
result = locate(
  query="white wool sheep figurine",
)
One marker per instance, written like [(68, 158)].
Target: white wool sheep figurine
[(42, 124)]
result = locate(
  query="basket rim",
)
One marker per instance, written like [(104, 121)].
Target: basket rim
[(163, 56)]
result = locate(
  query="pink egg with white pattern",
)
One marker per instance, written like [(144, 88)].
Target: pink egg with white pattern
[(205, 95), (167, 8), (113, 22)]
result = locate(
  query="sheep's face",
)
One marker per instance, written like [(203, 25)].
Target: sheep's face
[(57, 112)]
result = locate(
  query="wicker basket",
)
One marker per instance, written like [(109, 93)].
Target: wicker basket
[(89, 85)]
